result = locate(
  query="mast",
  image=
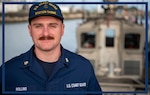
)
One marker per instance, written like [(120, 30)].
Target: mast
[(83, 13)]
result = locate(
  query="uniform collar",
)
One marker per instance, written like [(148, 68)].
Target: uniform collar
[(28, 58), (65, 58), (35, 67)]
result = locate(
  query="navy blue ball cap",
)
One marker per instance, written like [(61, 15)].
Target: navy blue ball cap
[(45, 9)]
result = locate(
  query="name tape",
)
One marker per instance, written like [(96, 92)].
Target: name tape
[(21, 88), (74, 85)]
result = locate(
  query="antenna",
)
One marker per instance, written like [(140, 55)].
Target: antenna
[(83, 14)]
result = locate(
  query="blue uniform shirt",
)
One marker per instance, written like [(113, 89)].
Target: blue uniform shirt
[(71, 73)]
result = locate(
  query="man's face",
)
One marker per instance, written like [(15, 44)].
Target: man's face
[(46, 32)]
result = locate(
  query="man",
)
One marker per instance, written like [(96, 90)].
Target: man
[(47, 66)]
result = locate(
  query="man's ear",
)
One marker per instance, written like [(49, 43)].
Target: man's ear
[(29, 29), (63, 27)]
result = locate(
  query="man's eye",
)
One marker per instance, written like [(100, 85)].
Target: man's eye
[(54, 26), (38, 26)]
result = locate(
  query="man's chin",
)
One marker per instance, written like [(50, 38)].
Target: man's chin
[(45, 48)]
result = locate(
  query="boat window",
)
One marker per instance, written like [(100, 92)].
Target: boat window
[(110, 34), (88, 40), (132, 41)]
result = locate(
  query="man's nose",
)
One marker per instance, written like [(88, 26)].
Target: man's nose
[(45, 31)]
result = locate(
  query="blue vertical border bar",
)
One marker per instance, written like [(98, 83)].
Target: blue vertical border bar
[(90, 92), (3, 47), (146, 49)]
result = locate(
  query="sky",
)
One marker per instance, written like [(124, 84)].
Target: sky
[(139, 7), (93, 0)]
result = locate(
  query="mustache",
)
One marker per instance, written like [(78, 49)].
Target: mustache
[(46, 38)]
